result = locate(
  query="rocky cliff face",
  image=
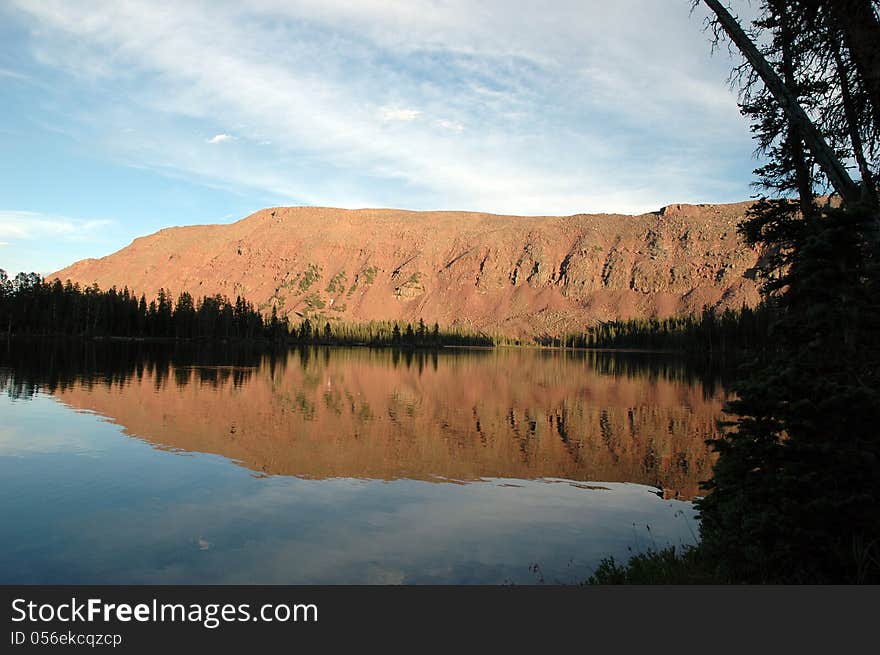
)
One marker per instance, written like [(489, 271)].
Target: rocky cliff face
[(513, 274)]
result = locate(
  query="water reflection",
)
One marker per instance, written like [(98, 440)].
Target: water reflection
[(462, 415), (342, 465)]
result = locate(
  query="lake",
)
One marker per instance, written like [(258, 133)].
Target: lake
[(131, 463)]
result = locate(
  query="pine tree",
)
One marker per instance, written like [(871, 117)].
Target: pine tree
[(795, 493)]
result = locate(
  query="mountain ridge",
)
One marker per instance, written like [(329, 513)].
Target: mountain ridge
[(518, 275)]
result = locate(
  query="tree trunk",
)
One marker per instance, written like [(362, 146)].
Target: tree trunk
[(852, 124), (802, 170), (825, 156), (861, 34)]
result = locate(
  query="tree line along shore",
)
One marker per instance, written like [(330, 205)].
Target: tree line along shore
[(35, 307)]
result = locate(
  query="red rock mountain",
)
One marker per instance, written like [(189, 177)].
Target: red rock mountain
[(520, 275)]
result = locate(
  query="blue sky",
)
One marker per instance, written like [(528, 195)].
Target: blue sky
[(120, 118)]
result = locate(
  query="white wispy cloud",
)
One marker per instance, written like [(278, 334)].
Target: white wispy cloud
[(395, 114), (220, 138), (15, 75), (18, 225), (453, 126), (574, 108), (42, 242)]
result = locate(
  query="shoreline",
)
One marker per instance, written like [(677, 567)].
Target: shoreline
[(293, 344)]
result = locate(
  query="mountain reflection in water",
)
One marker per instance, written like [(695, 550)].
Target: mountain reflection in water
[(382, 414), (342, 465)]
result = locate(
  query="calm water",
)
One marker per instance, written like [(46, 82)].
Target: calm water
[(146, 464)]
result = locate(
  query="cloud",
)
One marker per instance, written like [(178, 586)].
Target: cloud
[(5, 72), (575, 109), (449, 125), (18, 225), (406, 115), (37, 241)]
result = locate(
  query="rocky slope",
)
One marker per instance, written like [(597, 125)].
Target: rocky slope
[(513, 274)]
